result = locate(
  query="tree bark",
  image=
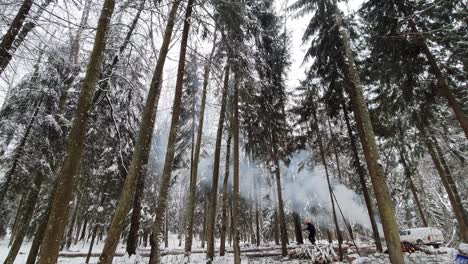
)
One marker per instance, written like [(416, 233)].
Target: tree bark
[(25, 30), (142, 148), (73, 57), (72, 224), (10, 36), (66, 178), (30, 204), (132, 238), (283, 230), (371, 152), (449, 184), (196, 157), (409, 177), (324, 161), (155, 257), (362, 179), (224, 212), (298, 228), (19, 152), (235, 192), (217, 158), (83, 231), (442, 82)]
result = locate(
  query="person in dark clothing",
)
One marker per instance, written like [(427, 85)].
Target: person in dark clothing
[(311, 228)]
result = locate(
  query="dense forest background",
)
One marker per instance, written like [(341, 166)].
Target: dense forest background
[(229, 122)]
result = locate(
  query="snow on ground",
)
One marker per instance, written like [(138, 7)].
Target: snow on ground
[(251, 255)]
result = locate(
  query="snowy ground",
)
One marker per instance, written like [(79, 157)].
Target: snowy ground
[(269, 254)]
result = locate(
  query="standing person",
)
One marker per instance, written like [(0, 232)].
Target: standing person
[(311, 228)]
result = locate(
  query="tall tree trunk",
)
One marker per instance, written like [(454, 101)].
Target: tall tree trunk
[(362, 179), (73, 57), (132, 238), (28, 27), (91, 244), (166, 230), (449, 184), (442, 82), (19, 214), (217, 157), (409, 177), (41, 228), (155, 257), (205, 217), (28, 211), (282, 221), (276, 231), (19, 151), (73, 222), (142, 148), (196, 156), (66, 178), (371, 152), (324, 161), (83, 231), (13, 30), (257, 211), (235, 192), (298, 228), (335, 150), (224, 212)]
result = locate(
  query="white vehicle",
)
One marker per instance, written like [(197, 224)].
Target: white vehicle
[(423, 236)]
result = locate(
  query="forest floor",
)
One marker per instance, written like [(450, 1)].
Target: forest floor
[(263, 255)]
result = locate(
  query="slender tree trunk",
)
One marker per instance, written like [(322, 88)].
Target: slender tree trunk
[(217, 158), (142, 148), (335, 150), (83, 231), (276, 231), (442, 82), (282, 221), (69, 237), (166, 231), (384, 201), (155, 257), (362, 179), (28, 211), (10, 36), (224, 212), (196, 157), (324, 161), (66, 178), (257, 211), (235, 192), (73, 57), (407, 172), (19, 214), (41, 229), (298, 228), (132, 239), (28, 27), (19, 152), (205, 217), (91, 244), (449, 184)]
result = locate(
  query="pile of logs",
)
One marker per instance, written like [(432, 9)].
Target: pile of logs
[(317, 254)]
